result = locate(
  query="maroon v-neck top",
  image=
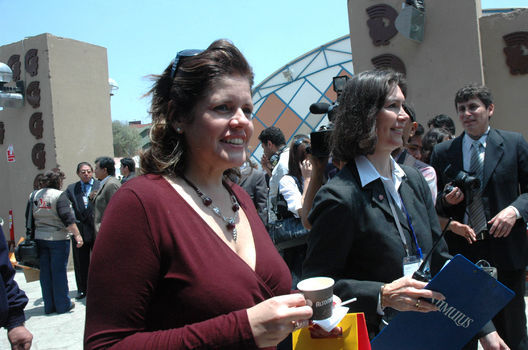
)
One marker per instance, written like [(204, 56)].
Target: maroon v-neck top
[(160, 278)]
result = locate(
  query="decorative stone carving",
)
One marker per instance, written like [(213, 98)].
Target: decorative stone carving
[(36, 181), (33, 94), (516, 52), (2, 133), (14, 63), (389, 61), (36, 125), (31, 60), (38, 156), (381, 23)]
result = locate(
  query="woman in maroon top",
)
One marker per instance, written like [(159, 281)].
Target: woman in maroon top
[(182, 260)]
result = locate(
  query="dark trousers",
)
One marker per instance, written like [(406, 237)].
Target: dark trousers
[(53, 278), (81, 263), (510, 322)]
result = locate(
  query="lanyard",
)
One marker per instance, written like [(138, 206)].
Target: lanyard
[(400, 230), (418, 249)]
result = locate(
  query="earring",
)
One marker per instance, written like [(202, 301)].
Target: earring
[(179, 130)]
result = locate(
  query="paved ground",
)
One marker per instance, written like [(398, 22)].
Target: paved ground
[(55, 332)]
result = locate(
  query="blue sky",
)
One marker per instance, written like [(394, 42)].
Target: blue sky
[(143, 37)]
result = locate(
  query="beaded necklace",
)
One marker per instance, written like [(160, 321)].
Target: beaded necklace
[(208, 202)]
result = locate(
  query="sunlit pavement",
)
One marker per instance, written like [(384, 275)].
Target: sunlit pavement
[(55, 332)]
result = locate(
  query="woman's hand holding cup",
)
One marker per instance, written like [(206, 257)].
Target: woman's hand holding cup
[(273, 319)]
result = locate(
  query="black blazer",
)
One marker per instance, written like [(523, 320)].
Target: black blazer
[(85, 216), (505, 182), (354, 238)]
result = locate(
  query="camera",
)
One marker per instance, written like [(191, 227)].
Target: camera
[(467, 183), (320, 146)]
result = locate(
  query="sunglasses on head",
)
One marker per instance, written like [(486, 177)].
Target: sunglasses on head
[(182, 53), (301, 140)]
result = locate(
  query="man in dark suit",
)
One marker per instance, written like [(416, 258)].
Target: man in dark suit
[(491, 220), (253, 181), (104, 172), (78, 193)]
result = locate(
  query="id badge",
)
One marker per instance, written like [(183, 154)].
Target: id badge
[(411, 264)]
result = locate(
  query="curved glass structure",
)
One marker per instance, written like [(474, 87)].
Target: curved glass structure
[(283, 99)]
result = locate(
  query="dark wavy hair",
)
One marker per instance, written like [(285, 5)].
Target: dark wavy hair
[(470, 91), (274, 135), (442, 121), (128, 163), (363, 97), (297, 154), (52, 179), (174, 100), (431, 139), (106, 163)]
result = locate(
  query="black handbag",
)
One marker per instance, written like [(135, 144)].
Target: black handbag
[(26, 253), (287, 233)]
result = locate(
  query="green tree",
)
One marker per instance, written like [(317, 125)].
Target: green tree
[(126, 139)]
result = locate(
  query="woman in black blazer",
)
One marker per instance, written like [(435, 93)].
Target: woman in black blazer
[(355, 237)]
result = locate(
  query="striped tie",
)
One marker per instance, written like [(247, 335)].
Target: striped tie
[(476, 216)]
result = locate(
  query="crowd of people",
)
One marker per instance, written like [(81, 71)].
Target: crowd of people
[(192, 262)]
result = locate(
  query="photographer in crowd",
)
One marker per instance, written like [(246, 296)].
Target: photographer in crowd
[(490, 218)]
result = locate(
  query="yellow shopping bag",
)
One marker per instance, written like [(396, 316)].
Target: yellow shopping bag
[(355, 336)]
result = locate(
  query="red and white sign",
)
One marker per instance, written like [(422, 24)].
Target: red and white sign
[(10, 154)]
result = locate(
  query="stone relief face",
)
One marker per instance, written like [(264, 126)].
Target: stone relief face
[(14, 64), (36, 181), (516, 52), (36, 125), (389, 61), (381, 23), (32, 62), (38, 156), (33, 94)]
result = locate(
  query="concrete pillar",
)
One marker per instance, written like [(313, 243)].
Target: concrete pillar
[(66, 117)]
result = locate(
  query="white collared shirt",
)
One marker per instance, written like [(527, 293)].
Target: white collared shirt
[(368, 173), (103, 181)]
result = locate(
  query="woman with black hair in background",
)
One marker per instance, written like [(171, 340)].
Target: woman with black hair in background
[(290, 202)]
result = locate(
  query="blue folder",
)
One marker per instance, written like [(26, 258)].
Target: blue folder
[(473, 298)]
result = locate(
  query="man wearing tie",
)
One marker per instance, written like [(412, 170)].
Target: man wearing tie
[(490, 222), (78, 194)]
